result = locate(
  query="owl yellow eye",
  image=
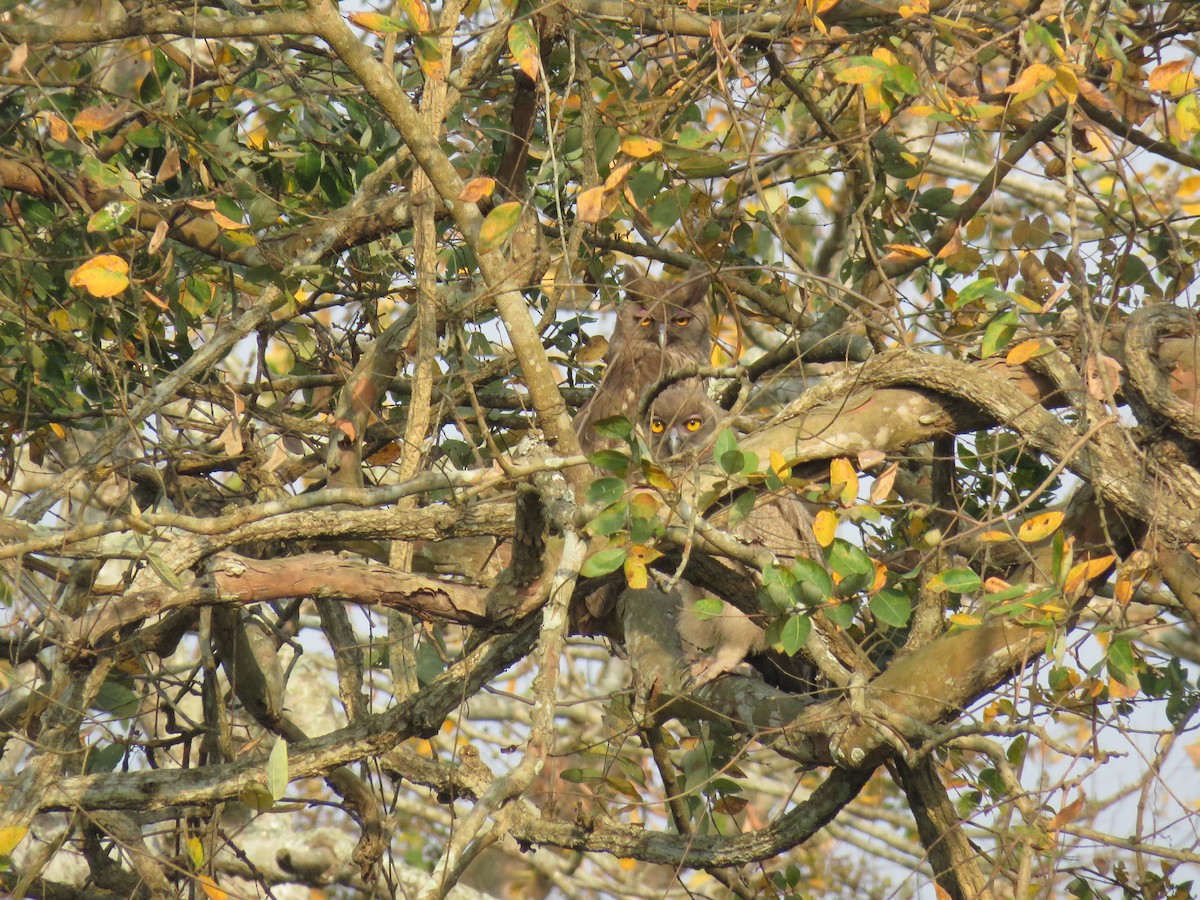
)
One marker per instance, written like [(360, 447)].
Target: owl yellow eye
[(646, 321), (693, 424), (658, 426), (682, 320)]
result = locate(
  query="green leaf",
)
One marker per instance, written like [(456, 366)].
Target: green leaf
[(611, 461), (610, 521), (117, 699), (794, 633), (605, 491), (813, 584), (742, 507), (853, 567), (725, 452), (614, 427), (841, 615), (955, 581), (499, 225), (999, 333), (1121, 659), (607, 560), (891, 607), (104, 759), (708, 608), (277, 770)]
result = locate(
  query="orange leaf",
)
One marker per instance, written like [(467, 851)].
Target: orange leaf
[(1040, 526), (477, 189), (1023, 352), (210, 888), (102, 276)]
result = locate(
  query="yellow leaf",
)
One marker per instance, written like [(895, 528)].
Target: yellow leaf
[(860, 75), (995, 537), (965, 620), (195, 851), (1187, 114), (1023, 352), (10, 837), (1086, 571), (657, 478), (825, 524), (779, 465), (523, 43), (644, 505), (102, 276), (636, 574), (640, 147), (1040, 526), (499, 225), (909, 250), (477, 189), (1068, 83), (617, 176), (841, 471), (210, 888), (58, 430), (1033, 77), (884, 56), (225, 223)]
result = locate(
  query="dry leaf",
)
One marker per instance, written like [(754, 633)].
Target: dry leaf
[(170, 166)]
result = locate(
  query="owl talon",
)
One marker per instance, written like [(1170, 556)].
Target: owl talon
[(706, 671)]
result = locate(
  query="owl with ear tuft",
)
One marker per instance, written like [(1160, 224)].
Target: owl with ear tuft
[(681, 427), (660, 328)]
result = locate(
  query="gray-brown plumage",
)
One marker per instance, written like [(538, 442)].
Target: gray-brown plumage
[(660, 328), (682, 425)]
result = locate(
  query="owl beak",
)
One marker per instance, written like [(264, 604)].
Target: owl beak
[(675, 442), (662, 336)]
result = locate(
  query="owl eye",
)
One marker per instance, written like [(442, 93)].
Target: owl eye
[(646, 321), (658, 426), (682, 321), (693, 424)]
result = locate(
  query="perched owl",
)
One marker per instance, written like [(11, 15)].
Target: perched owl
[(660, 328), (681, 425)]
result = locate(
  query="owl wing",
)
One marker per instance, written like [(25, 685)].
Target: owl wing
[(616, 395)]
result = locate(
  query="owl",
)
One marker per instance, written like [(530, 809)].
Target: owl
[(681, 426), (660, 328)]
